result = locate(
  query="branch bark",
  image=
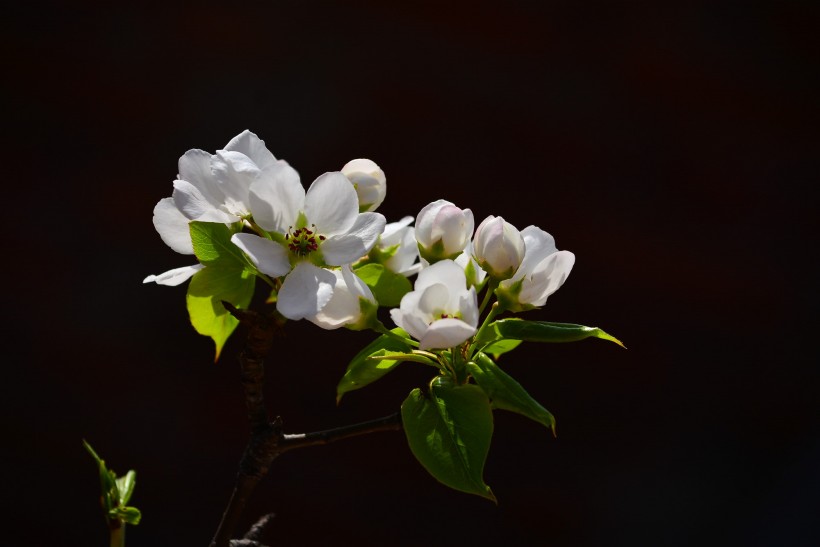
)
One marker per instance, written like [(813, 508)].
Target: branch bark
[(267, 441)]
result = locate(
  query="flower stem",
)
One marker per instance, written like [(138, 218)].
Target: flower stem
[(491, 286), (117, 534), (494, 311)]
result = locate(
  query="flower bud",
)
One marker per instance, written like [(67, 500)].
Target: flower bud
[(443, 230), (498, 247), (369, 181)]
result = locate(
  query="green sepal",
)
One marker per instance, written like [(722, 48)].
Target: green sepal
[(363, 371), (506, 393), (542, 331), (449, 431), (388, 287), (208, 288)]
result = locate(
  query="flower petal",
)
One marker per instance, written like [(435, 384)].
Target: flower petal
[(357, 242), (253, 147), (268, 256), (195, 167), (174, 277), (446, 333), (306, 290), (276, 198), (331, 204), (192, 203), (172, 226), (547, 277)]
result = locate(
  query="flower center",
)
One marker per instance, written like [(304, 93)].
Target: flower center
[(303, 241)]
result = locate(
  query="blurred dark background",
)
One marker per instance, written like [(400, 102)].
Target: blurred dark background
[(672, 146)]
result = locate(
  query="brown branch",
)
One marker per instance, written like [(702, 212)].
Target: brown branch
[(267, 440)]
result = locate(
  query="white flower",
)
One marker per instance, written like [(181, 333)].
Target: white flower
[(215, 187), (441, 312), (498, 247), (344, 309), (405, 259), (322, 227), (443, 230), (542, 272), (369, 181)]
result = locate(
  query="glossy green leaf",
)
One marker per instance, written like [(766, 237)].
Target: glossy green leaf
[(500, 347), (543, 331), (449, 431), (363, 371), (388, 287), (506, 393), (206, 291), (212, 243)]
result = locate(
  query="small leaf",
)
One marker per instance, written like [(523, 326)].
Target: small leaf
[(449, 432), (125, 485), (212, 243), (362, 371), (542, 331), (500, 347), (129, 515), (388, 287), (206, 291), (506, 393)]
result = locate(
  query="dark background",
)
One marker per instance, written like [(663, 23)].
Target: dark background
[(673, 148)]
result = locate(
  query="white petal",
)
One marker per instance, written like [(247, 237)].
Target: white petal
[(331, 204), (270, 257), (393, 231), (193, 204), (425, 220), (253, 147), (443, 271), (172, 226), (235, 172), (306, 290), (357, 242), (547, 278), (174, 277), (538, 245), (276, 198), (195, 167), (446, 333)]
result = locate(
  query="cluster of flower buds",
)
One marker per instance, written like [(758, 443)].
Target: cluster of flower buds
[(309, 245)]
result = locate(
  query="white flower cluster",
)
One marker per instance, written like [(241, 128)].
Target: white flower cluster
[(310, 241)]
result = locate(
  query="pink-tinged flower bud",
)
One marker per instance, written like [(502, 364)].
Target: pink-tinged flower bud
[(369, 181), (443, 230), (498, 247)]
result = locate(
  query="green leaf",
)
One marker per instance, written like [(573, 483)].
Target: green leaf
[(416, 356), (449, 431), (542, 331), (129, 515), (388, 287), (212, 243), (500, 347), (506, 393), (125, 485), (363, 371), (206, 291)]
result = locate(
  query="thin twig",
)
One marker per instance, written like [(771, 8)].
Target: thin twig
[(267, 440)]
